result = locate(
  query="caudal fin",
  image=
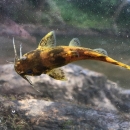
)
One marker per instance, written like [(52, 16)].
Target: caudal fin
[(112, 61)]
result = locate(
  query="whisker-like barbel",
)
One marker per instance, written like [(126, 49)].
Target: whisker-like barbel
[(15, 52), (20, 50)]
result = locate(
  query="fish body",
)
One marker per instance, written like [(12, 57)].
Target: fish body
[(41, 61), (48, 57)]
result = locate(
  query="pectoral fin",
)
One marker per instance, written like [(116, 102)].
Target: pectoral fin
[(102, 51), (48, 41), (74, 42), (57, 73)]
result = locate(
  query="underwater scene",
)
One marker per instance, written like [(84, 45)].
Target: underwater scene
[(64, 65)]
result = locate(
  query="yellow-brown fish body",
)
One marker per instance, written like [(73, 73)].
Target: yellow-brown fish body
[(48, 57), (41, 61)]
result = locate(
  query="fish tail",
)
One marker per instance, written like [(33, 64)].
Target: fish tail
[(93, 55), (112, 61), (89, 54)]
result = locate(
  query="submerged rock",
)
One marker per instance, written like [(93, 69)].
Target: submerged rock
[(9, 28), (86, 101)]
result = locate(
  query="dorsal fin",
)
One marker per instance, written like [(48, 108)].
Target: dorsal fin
[(74, 42), (48, 40), (102, 51)]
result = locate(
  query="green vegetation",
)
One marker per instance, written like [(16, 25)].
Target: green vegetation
[(99, 14), (102, 7), (73, 15)]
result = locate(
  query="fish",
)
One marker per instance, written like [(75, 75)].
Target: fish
[(48, 58)]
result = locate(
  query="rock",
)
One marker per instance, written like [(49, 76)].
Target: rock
[(48, 115), (9, 28), (91, 88), (86, 101)]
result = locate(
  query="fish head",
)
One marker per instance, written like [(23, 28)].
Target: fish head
[(22, 65)]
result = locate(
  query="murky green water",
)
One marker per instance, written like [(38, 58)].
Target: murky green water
[(117, 48)]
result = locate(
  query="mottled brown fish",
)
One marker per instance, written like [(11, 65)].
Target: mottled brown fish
[(48, 57)]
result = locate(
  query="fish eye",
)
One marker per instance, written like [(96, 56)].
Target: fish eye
[(29, 71)]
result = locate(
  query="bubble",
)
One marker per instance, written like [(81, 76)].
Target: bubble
[(13, 111)]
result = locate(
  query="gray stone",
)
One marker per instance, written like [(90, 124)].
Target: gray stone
[(87, 101)]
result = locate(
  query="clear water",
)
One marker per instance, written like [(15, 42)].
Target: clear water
[(117, 48)]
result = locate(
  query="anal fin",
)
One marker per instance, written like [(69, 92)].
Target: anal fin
[(57, 74)]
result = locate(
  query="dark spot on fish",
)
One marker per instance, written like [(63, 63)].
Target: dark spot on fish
[(56, 51), (59, 61), (52, 76), (35, 53), (102, 58), (116, 63), (41, 69)]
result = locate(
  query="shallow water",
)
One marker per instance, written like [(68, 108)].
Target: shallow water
[(117, 48)]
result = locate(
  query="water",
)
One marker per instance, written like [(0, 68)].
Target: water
[(117, 48)]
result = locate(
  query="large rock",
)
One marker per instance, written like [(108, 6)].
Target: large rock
[(48, 115), (86, 101)]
